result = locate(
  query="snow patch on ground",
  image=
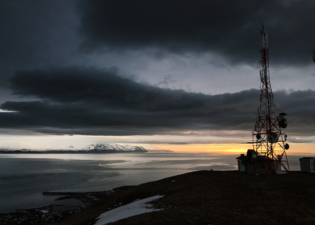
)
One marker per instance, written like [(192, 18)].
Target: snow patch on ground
[(135, 208)]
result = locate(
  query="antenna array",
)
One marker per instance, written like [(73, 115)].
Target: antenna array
[(269, 143)]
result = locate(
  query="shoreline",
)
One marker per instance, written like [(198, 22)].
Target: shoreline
[(54, 213), (186, 196)]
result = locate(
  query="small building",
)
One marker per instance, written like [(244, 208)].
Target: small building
[(241, 163), (255, 164), (307, 164)]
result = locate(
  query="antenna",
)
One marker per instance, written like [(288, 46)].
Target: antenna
[(269, 145)]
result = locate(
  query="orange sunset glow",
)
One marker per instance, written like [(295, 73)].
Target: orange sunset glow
[(234, 148)]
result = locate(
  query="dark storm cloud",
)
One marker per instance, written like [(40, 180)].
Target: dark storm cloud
[(106, 88), (78, 100), (230, 28), (35, 33)]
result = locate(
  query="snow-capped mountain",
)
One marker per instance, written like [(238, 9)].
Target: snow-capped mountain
[(116, 147)]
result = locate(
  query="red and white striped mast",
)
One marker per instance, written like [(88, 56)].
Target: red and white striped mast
[(270, 141)]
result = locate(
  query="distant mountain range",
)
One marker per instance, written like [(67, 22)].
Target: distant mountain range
[(97, 148), (117, 148)]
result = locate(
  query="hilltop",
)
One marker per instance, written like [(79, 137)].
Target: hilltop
[(215, 197)]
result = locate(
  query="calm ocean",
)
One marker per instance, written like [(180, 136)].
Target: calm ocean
[(23, 177)]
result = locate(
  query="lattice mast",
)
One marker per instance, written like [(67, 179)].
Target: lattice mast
[(270, 141)]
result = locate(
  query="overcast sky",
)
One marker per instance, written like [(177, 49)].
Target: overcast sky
[(150, 72)]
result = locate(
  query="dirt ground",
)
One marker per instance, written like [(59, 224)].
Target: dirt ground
[(216, 197)]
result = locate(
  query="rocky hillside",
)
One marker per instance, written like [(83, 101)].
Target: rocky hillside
[(215, 197)]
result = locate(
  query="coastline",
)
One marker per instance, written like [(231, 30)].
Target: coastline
[(26, 176), (54, 213), (231, 197)]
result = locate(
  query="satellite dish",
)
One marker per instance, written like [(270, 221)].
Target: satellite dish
[(283, 121), (286, 146), (251, 156), (258, 136)]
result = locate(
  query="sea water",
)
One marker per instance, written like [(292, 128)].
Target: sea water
[(23, 177)]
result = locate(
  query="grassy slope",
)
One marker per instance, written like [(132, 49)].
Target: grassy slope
[(206, 197)]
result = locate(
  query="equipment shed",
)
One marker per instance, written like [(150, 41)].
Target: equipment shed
[(307, 164)]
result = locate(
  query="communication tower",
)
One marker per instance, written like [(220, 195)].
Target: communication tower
[(269, 143)]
